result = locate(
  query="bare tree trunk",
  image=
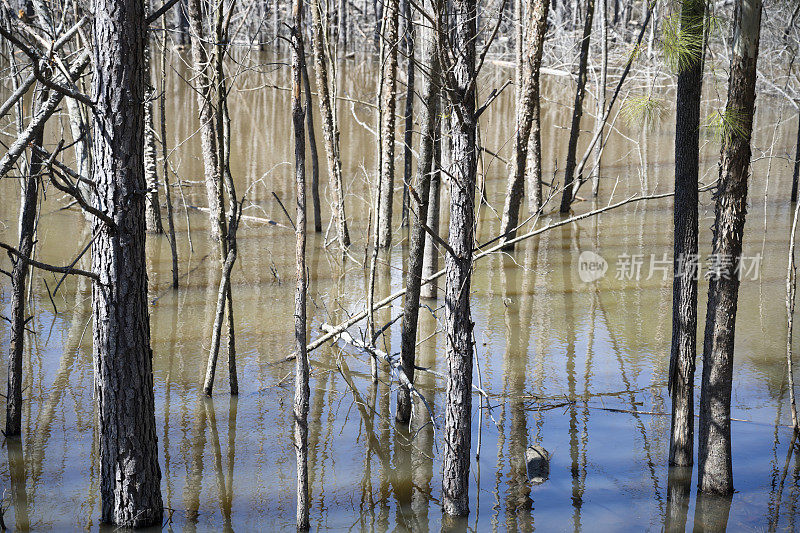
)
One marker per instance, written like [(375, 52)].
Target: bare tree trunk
[(130, 476), (19, 277), (577, 111), (162, 102), (386, 107), (430, 259), (715, 474), (601, 96), (528, 122), (343, 24), (458, 411), (227, 244), (301, 386), (181, 24), (312, 147), (152, 207), (208, 140), (151, 204), (684, 285), (408, 134), (329, 130), (430, 97)]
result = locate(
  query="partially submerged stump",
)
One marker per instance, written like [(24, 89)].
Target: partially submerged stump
[(537, 460)]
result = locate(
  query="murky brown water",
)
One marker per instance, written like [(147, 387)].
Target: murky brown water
[(541, 333)]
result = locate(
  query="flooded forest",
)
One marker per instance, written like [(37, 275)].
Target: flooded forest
[(399, 265)]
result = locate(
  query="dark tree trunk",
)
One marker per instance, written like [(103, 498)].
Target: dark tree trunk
[(312, 148), (162, 102), (528, 123), (19, 276), (458, 321), (715, 474), (684, 285), (429, 95), (301, 387), (577, 111), (129, 473), (181, 23)]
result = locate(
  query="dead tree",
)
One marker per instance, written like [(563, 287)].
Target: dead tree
[(387, 101), (301, 386), (130, 476), (312, 148), (329, 129), (419, 194), (162, 103), (684, 285), (715, 473), (227, 243), (409, 45), (208, 137), (577, 110), (430, 259), (460, 87), (19, 277), (528, 134)]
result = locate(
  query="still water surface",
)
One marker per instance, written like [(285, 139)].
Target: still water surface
[(580, 368)]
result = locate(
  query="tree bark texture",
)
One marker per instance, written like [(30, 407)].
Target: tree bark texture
[(458, 321), (715, 474), (129, 472), (301, 386), (684, 285)]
